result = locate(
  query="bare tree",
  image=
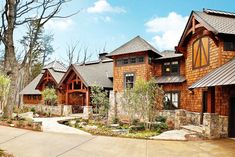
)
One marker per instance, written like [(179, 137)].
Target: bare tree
[(16, 13)]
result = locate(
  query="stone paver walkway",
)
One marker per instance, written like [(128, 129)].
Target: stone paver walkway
[(52, 125), (172, 135)]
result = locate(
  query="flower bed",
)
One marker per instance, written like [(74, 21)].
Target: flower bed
[(22, 123)]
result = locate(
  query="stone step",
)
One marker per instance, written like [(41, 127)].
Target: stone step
[(193, 128)]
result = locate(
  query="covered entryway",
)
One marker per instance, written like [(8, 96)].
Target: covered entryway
[(77, 100), (231, 129)]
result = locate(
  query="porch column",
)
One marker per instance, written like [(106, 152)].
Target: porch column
[(87, 98), (66, 94), (211, 100)]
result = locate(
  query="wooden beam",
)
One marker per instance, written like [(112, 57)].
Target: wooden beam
[(211, 100), (87, 98)]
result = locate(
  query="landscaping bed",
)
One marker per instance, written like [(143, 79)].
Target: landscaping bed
[(21, 123), (101, 127), (4, 154)]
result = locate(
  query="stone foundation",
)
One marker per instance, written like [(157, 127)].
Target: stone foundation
[(87, 112), (211, 128), (60, 110)]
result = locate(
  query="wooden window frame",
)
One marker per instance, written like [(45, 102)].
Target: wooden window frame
[(179, 95), (208, 61), (124, 79), (170, 73)]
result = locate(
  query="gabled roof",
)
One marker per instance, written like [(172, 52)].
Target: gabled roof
[(170, 79), (167, 54), (31, 87), (219, 22), (93, 73), (97, 73), (224, 75), (56, 66), (137, 44)]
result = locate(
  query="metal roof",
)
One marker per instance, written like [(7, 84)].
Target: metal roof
[(96, 73), (224, 75), (137, 44), (221, 21), (170, 79), (167, 54), (56, 75)]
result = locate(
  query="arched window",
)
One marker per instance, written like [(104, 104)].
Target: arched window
[(200, 52)]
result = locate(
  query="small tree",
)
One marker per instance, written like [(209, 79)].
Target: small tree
[(99, 98), (143, 101), (4, 90), (49, 96)]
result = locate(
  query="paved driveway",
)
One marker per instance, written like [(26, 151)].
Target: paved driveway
[(24, 143)]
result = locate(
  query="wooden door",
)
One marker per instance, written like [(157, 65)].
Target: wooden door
[(231, 128)]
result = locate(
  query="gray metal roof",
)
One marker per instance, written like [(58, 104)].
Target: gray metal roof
[(224, 75), (97, 73), (137, 44), (170, 79), (169, 54), (31, 87), (56, 66), (221, 21)]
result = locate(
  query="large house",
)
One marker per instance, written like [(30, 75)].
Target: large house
[(198, 77)]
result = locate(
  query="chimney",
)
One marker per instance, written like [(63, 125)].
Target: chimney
[(102, 56)]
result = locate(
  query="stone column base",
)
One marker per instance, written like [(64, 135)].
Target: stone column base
[(87, 112)]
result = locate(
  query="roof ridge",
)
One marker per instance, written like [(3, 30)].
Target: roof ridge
[(218, 12)]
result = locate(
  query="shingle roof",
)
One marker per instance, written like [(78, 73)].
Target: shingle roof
[(97, 73), (56, 66), (137, 44), (221, 21), (31, 87), (224, 75), (170, 79), (57, 71), (169, 54)]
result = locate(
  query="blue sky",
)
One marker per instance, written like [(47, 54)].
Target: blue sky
[(114, 22)]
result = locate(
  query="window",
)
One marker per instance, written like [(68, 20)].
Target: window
[(129, 80), (141, 59), (173, 98), (229, 45), (34, 97), (71, 86), (49, 84), (131, 60), (77, 85), (171, 68), (200, 52)]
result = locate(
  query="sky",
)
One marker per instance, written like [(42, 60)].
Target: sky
[(111, 23)]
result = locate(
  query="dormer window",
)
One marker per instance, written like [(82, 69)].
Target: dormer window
[(171, 68), (229, 45)]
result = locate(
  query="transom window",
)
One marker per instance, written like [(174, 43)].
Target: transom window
[(129, 79), (200, 52), (171, 68), (131, 60), (173, 98)]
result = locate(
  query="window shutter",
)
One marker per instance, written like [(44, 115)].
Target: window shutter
[(201, 52)]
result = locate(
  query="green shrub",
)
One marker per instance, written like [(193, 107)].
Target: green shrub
[(160, 127), (115, 120), (33, 110), (134, 128), (135, 121), (160, 119), (49, 96)]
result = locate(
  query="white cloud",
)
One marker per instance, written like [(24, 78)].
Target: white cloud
[(59, 24), (102, 6), (167, 30)]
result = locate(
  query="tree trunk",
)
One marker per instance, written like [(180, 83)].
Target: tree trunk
[(10, 64)]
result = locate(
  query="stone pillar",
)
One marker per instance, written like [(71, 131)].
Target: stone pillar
[(180, 118), (211, 127), (87, 112)]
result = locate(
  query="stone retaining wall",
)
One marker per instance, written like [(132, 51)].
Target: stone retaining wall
[(55, 110)]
